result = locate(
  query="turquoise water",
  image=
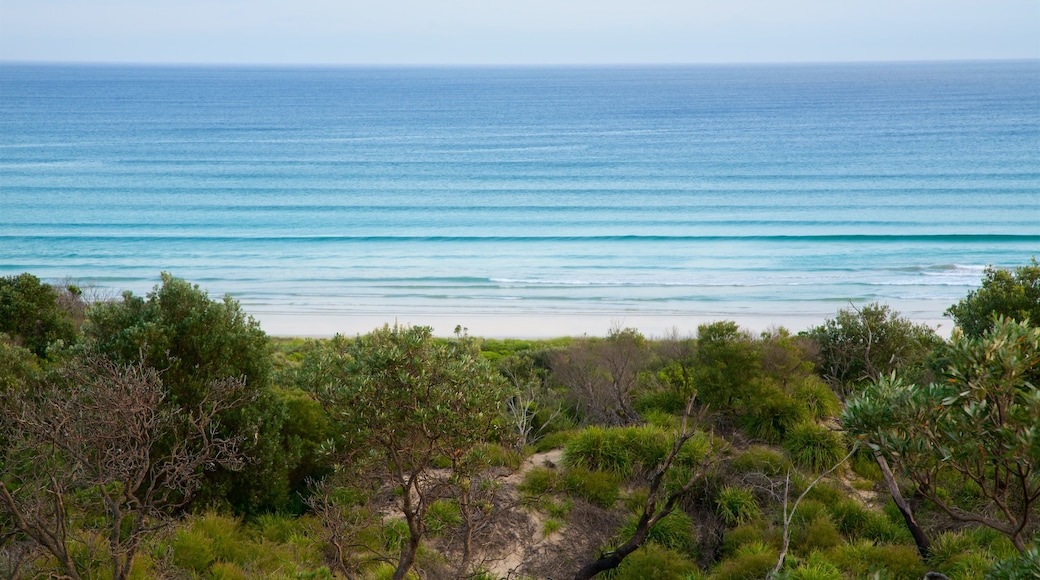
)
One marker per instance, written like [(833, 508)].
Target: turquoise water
[(678, 192)]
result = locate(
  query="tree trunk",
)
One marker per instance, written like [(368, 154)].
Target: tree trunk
[(924, 545)]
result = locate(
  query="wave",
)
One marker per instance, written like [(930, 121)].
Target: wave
[(833, 238)]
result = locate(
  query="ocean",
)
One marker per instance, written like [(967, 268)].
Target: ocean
[(525, 201)]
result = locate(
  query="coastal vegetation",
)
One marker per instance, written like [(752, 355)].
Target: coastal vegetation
[(167, 435)]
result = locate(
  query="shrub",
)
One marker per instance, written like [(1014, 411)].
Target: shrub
[(750, 562), (31, 313), (553, 440), (761, 459), (816, 398), (814, 447), (538, 481), (654, 561), (192, 551), (596, 487), (441, 516), (813, 570), (674, 532), (736, 505), (820, 533), (771, 415), (863, 558), (1019, 567), (629, 451), (550, 526)]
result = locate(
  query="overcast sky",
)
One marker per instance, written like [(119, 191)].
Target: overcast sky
[(516, 31)]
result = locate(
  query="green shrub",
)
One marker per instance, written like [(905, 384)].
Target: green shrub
[(630, 451), (865, 466), (816, 571), (1019, 567), (276, 527), (538, 481), (771, 415), (750, 562), (818, 534), (736, 505), (442, 516), (761, 459), (596, 487), (814, 447), (227, 571), (674, 532), (863, 558), (808, 510), (492, 455), (192, 551), (816, 398), (667, 401), (742, 535), (550, 526), (654, 561), (850, 517)]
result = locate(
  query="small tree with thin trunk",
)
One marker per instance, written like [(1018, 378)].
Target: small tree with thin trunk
[(99, 441), (978, 425), (404, 401)]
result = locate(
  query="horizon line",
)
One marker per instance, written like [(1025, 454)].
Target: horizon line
[(660, 64)]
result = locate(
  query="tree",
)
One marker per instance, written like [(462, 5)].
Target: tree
[(727, 364), (864, 344), (601, 376), (31, 313), (403, 400), (100, 445), (195, 340), (1009, 293), (978, 424)]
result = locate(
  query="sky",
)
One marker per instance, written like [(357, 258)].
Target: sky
[(473, 32)]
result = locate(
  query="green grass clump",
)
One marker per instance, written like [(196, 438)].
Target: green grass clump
[(600, 488), (771, 415), (492, 455), (629, 451), (761, 459), (736, 505), (862, 559), (814, 447), (441, 516), (674, 531), (817, 534), (657, 562), (816, 570), (816, 398), (554, 440), (750, 562), (539, 481)]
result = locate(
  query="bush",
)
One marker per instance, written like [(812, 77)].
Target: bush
[(863, 558), (816, 571), (814, 447), (538, 481), (761, 459), (31, 313), (816, 398), (596, 487), (1021, 567), (818, 534), (654, 561), (674, 532), (736, 505), (750, 562), (629, 451), (442, 516), (771, 414)]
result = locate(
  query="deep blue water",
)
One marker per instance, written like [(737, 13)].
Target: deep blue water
[(725, 191)]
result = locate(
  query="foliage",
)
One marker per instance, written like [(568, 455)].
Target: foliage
[(193, 340), (750, 562), (630, 451), (727, 363), (596, 487), (657, 561), (1011, 294), (31, 313), (103, 442), (761, 459), (813, 446), (601, 376), (863, 344), (674, 532), (770, 414), (737, 505), (1025, 566), (979, 423), (401, 399)]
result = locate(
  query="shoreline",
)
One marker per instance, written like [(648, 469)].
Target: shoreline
[(547, 325)]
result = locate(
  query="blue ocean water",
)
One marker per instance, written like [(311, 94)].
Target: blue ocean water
[(678, 192)]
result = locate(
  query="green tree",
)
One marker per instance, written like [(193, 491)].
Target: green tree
[(979, 424), (1009, 293), (727, 365), (30, 311), (864, 344), (193, 341), (403, 400)]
